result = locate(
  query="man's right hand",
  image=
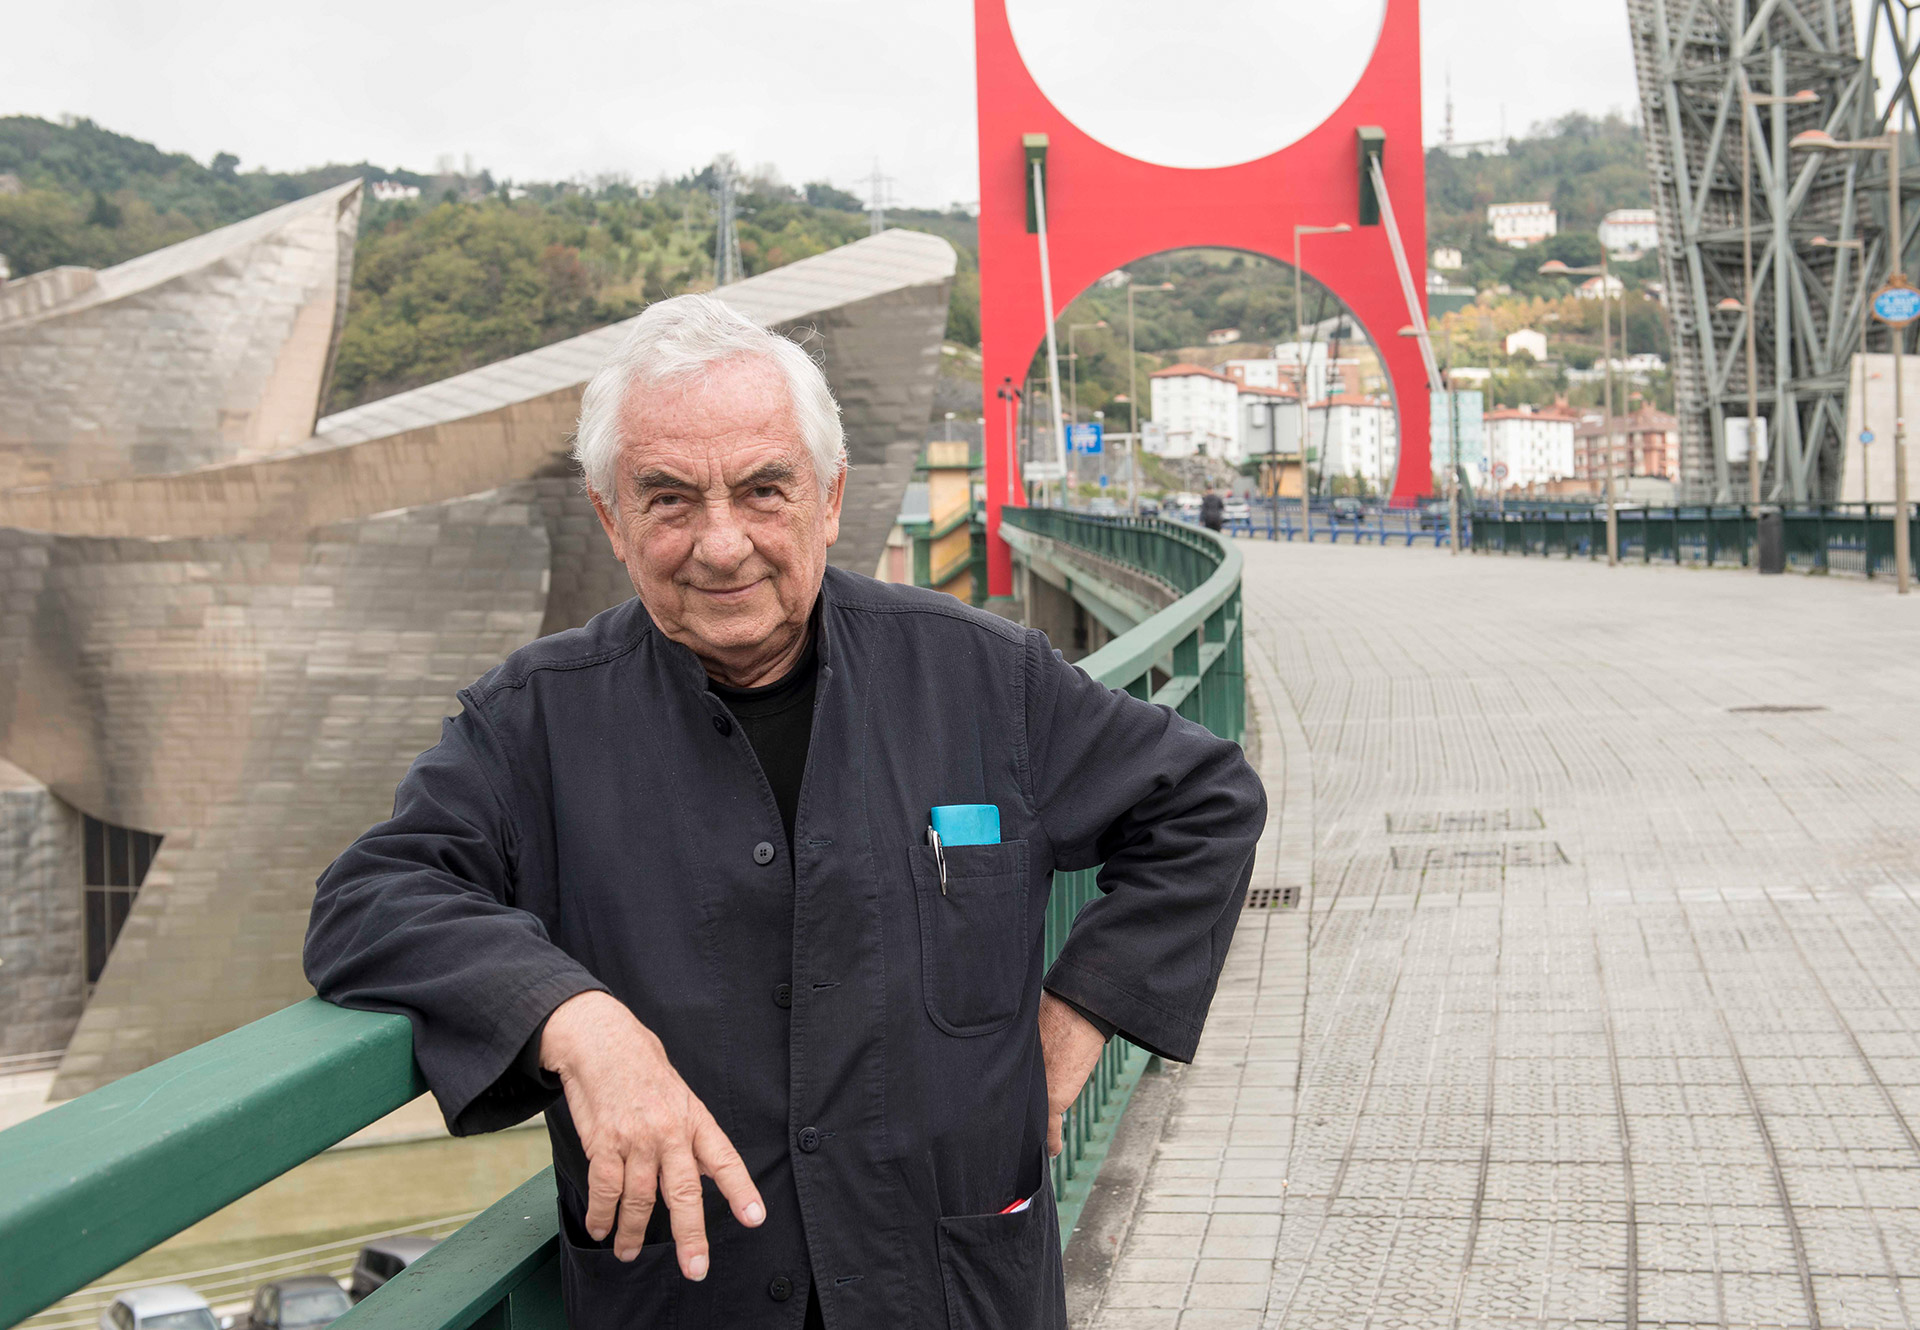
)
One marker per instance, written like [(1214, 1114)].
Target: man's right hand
[(644, 1131)]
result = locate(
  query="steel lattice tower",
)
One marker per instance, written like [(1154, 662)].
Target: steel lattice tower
[(1694, 57)]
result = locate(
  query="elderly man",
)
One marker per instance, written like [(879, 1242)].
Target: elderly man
[(670, 877)]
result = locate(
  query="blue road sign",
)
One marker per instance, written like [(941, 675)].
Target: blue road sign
[(1896, 304), (1866, 436), (1103, 480), (1085, 438)]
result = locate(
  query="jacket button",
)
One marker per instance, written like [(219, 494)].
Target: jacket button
[(763, 853), (783, 996), (780, 1289), (809, 1139), (724, 725)]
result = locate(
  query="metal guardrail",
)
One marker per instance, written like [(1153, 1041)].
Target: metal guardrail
[(92, 1183), (1191, 657), (1837, 538)]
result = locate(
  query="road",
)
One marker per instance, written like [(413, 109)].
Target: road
[(1602, 1005)]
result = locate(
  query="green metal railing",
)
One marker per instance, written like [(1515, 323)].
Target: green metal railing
[(92, 1183), (1190, 657), (1837, 538)]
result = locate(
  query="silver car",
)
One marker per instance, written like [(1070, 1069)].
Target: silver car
[(159, 1307), (381, 1260)]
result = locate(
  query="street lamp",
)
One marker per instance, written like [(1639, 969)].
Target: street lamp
[(1866, 324), (1300, 346), (1750, 99), (1453, 437), (1010, 395), (1133, 401), (1073, 395), (1819, 140), (1555, 268)]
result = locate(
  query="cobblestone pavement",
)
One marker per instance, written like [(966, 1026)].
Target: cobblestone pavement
[(1604, 1004)]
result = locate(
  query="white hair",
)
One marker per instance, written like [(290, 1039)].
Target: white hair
[(675, 342)]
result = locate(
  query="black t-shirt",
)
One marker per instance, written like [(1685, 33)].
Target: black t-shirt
[(777, 719)]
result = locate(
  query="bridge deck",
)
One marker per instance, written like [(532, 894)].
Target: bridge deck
[(1605, 1005)]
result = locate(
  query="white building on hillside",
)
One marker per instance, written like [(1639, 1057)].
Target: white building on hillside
[(1356, 437), (1448, 259), (1534, 343), (392, 191), (1260, 373), (1535, 444), (1630, 232), (1523, 224), (1594, 287), (1200, 411), (1320, 372)]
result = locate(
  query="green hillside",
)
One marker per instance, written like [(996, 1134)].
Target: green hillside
[(477, 269)]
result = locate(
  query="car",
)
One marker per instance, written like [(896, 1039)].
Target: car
[(159, 1307), (302, 1302), (1149, 508), (380, 1261), (1433, 514), (1237, 510), (1348, 510), (1103, 508)]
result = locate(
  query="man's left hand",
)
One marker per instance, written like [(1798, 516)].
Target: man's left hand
[(1071, 1047)]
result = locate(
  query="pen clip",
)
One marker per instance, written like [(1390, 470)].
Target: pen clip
[(939, 857)]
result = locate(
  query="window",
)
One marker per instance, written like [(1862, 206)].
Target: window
[(116, 861)]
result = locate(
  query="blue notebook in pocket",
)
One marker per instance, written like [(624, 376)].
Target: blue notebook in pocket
[(967, 824)]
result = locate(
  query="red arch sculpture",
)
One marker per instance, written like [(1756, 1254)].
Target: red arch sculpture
[(1105, 209)]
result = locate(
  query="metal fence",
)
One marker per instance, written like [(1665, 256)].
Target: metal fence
[(1190, 657), (92, 1183), (1828, 538)]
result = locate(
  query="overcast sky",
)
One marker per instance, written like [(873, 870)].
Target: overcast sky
[(550, 89)]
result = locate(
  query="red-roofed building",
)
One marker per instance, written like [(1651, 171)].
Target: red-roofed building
[(1645, 443), (1355, 436), (1535, 443), (1199, 409)]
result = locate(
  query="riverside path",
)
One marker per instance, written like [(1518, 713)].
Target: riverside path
[(1601, 1006)]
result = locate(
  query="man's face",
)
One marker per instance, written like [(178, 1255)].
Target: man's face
[(721, 518)]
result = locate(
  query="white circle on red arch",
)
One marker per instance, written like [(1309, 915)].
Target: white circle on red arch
[(1197, 86)]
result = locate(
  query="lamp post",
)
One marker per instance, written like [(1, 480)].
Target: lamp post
[(1010, 395), (1073, 398), (1820, 141), (1453, 436), (1553, 267), (1300, 345), (1866, 323), (1133, 402)]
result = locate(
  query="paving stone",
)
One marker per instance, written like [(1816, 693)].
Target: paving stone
[(1463, 1056)]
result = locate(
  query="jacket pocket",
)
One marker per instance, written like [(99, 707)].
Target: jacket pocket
[(598, 1289), (1002, 1272), (974, 943)]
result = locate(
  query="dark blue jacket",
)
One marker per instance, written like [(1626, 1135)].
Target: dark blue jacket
[(594, 819)]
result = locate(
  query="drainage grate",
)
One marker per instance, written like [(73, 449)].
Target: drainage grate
[(1273, 898), (1773, 709), (1441, 858), (1485, 819)]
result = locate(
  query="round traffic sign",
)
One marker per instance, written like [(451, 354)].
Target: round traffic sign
[(1866, 436), (1499, 470), (1896, 303)]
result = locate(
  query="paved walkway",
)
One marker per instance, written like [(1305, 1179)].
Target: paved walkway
[(1604, 1005)]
